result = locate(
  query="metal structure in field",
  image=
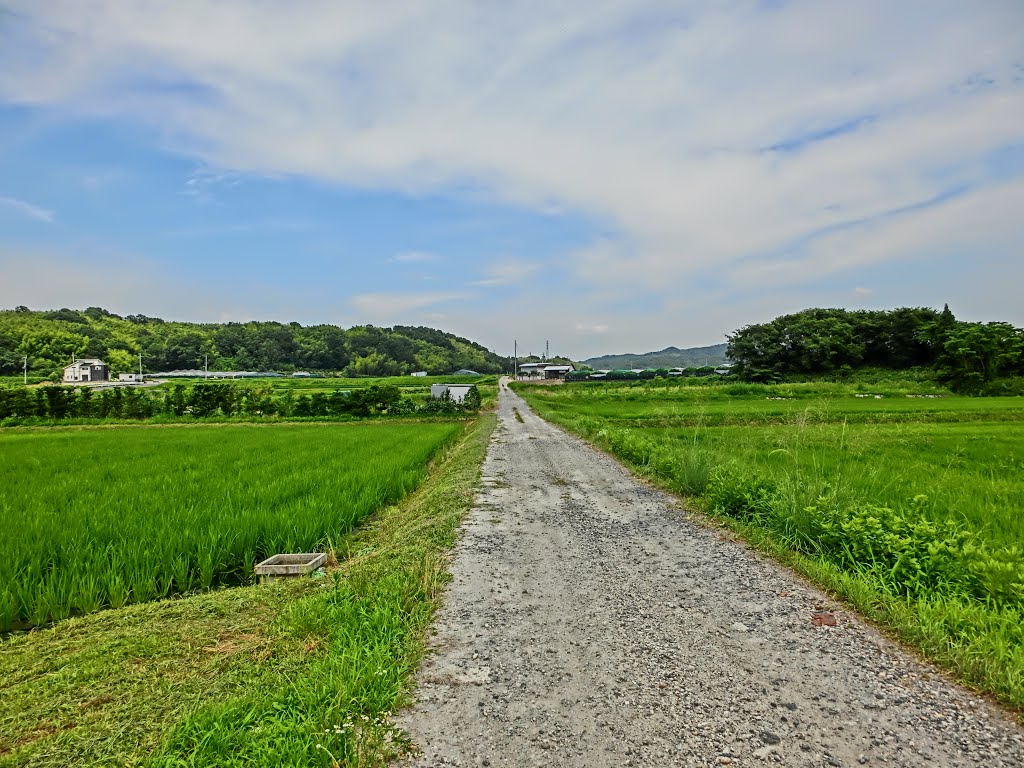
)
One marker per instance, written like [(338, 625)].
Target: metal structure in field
[(455, 392)]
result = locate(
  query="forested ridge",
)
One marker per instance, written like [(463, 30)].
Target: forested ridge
[(51, 338), (971, 357)]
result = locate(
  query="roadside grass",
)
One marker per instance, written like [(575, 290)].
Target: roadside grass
[(981, 645), (916, 523), (292, 673)]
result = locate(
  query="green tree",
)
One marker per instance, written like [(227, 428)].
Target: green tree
[(975, 354)]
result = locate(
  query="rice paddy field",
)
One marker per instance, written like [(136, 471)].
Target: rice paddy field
[(902, 497), (104, 517), (966, 455)]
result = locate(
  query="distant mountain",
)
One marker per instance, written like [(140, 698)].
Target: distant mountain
[(670, 357)]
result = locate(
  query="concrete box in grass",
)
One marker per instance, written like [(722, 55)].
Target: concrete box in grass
[(289, 566)]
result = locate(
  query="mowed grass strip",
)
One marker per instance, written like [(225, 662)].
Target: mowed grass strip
[(104, 518), (917, 523), (288, 674)]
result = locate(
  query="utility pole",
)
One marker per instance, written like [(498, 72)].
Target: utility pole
[(140, 366), (206, 366), (24, 365), (515, 360), (547, 350)]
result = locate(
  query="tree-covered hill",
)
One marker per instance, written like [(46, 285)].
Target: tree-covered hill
[(670, 357), (51, 338), (971, 357)]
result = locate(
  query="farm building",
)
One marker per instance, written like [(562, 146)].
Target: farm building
[(530, 369), (544, 371), (418, 373), (86, 370), (456, 392), (557, 371), (131, 378)]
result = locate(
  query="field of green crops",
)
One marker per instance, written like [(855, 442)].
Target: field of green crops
[(105, 517), (903, 497)]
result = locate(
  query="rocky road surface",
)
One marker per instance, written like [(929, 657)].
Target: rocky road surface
[(590, 623)]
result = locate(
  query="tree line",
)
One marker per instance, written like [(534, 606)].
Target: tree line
[(50, 339), (982, 358), (204, 400)]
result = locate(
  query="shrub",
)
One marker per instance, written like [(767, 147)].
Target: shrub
[(742, 496)]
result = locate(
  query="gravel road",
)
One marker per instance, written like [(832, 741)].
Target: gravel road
[(590, 623)]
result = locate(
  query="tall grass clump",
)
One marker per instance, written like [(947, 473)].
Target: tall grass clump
[(96, 518)]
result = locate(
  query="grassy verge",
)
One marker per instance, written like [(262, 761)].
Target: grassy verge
[(302, 673), (943, 572)]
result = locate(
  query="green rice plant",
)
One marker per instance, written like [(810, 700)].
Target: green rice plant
[(105, 517)]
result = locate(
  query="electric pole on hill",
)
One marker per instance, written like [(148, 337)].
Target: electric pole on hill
[(24, 366)]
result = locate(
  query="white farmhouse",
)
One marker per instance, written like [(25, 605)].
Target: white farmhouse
[(86, 370)]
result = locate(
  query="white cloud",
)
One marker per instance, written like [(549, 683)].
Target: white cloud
[(27, 209), (42, 278), (415, 257), (397, 307), (507, 273), (654, 118), (986, 222), (861, 292)]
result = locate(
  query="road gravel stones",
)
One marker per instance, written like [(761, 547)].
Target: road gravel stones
[(590, 623)]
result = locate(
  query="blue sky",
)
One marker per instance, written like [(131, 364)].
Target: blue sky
[(611, 175)]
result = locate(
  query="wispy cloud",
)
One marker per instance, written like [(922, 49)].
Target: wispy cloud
[(415, 257), (652, 120), (394, 306), (203, 182), (799, 141), (767, 149), (507, 273), (27, 209), (272, 224)]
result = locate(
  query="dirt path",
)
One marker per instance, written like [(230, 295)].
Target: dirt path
[(590, 624)]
